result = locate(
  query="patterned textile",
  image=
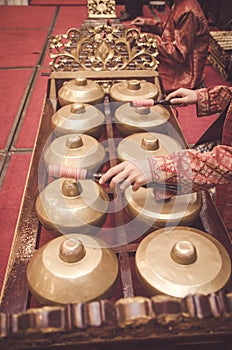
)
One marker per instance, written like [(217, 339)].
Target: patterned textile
[(213, 100), (182, 45), (194, 171), (207, 146)]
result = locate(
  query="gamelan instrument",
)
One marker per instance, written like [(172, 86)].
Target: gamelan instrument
[(126, 91), (130, 120), (71, 269), (149, 103), (79, 118), (80, 90), (69, 206), (179, 261), (75, 150)]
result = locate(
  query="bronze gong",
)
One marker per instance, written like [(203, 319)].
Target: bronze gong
[(80, 90), (126, 91), (68, 206), (143, 119), (73, 150), (71, 269), (80, 118), (143, 145), (182, 260), (155, 213)]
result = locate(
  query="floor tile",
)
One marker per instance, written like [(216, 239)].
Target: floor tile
[(12, 89), (70, 17), (10, 200), (26, 17), (22, 48), (29, 128)]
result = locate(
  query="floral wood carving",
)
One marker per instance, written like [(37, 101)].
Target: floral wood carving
[(101, 9), (101, 48)]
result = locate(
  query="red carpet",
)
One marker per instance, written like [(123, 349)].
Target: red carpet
[(24, 32), (13, 87), (33, 113), (23, 17), (22, 47), (70, 17), (10, 195), (58, 2)]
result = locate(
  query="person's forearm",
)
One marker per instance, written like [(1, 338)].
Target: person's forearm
[(213, 100), (194, 171)]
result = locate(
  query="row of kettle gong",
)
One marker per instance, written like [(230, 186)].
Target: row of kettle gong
[(81, 205), (78, 268), (83, 115), (82, 90), (77, 126), (85, 118)]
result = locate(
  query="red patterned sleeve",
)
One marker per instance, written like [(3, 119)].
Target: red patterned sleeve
[(193, 171), (153, 26), (213, 100), (176, 43)]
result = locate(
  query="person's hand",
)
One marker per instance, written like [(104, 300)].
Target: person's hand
[(128, 173), (182, 97), (138, 21)]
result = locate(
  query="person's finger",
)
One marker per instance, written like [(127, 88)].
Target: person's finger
[(179, 101), (125, 184), (179, 93), (137, 185), (110, 173), (128, 179), (120, 178), (173, 94), (123, 179), (138, 21), (139, 181)]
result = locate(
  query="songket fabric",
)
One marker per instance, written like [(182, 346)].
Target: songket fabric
[(194, 171), (216, 100), (183, 46)]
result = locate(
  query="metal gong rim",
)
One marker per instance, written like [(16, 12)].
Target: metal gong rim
[(145, 119), (74, 150), (160, 270), (72, 268), (78, 118), (131, 147), (127, 91), (80, 90), (82, 208), (179, 210)]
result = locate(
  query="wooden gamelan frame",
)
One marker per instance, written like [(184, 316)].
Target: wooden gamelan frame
[(132, 320)]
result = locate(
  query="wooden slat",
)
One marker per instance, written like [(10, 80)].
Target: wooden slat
[(15, 289)]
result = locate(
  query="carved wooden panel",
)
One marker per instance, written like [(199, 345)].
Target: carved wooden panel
[(101, 9)]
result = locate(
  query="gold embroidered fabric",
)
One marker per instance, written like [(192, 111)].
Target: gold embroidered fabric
[(195, 171), (183, 46)]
